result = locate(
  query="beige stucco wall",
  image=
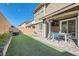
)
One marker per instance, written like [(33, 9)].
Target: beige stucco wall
[(55, 29), (44, 29), (52, 7), (27, 31), (39, 14), (23, 25), (37, 30)]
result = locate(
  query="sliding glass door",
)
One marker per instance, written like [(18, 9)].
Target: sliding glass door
[(71, 27), (68, 26), (64, 27)]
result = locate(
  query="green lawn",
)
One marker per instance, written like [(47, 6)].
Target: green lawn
[(23, 45)]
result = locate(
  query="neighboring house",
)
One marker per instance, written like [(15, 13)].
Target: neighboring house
[(57, 17), (4, 24), (27, 27), (30, 27)]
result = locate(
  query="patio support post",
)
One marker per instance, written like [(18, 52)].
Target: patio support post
[(60, 27), (49, 22), (66, 35), (49, 27), (65, 38), (44, 30), (78, 30)]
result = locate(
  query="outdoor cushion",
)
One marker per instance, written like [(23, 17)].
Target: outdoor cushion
[(55, 35)]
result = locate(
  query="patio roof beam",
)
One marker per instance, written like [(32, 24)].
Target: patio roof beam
[(64, 15)]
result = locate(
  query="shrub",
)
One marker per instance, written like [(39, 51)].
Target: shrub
[(3, 37)]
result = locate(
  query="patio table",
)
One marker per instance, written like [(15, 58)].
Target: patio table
[(60, 35), (65, 36), (56, 36)]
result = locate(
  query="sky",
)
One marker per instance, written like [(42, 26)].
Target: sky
[(16, 13)]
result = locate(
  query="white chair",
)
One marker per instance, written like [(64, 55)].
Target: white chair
[(70, 36), (56, 36), (50, 36)]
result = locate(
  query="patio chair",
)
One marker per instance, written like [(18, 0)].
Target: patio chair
[(56, 36), (50, 36), (70, 36)]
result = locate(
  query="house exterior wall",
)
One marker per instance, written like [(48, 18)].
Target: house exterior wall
[(55, 29), (39, 14), (37, 17), (45, 10), (67, 14), (28, 30), (45, 29), (49, 9), (39, 28), (52, 7), (58, 6), (61, 11), (4, 24), (22, 28), (23, 25)]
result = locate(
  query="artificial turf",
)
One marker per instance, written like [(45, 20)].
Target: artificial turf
[(23, 45)]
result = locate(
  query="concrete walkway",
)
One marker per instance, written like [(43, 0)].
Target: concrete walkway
[(62, 46)]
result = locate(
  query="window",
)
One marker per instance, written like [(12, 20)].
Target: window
[(64, 27), (40, 26)]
